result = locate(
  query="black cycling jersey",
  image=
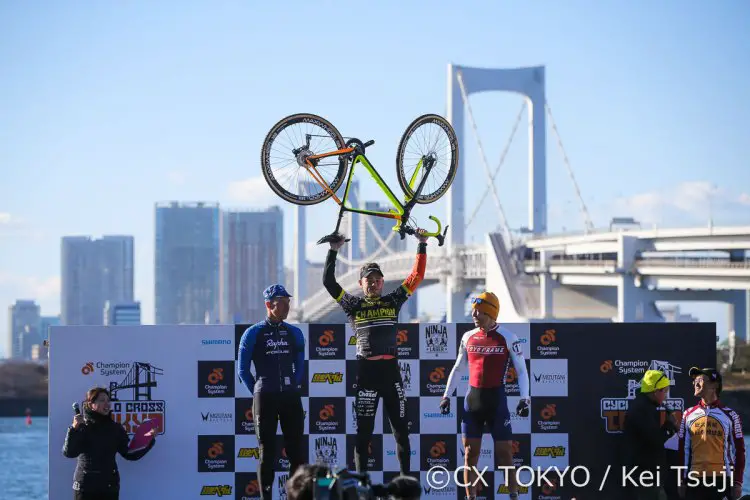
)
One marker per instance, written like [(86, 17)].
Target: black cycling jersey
[(374, 320)]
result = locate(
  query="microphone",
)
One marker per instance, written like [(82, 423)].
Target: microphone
[(76, 409)]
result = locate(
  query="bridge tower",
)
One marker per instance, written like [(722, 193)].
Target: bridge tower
[(299, 265), (529, 82)]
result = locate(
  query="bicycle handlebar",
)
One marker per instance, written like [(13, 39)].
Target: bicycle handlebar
[(368, 144), (437, 234)]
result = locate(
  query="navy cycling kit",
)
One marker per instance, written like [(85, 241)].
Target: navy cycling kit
[(277, 351)]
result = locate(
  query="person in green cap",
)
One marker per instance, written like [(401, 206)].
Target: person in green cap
[(645, 435)]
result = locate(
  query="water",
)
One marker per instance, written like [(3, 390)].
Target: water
[(23, 459)]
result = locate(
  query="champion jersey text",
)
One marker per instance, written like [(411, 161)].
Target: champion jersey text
[(375, 320)]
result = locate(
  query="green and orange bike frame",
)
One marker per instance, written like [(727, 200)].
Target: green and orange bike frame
[(401, 211)]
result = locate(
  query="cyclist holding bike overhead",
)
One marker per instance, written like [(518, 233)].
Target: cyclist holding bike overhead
[(374, 318)]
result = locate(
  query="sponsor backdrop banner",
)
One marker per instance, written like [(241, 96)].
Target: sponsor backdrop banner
[(581, 378)]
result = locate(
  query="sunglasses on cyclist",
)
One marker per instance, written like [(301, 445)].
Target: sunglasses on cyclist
[(482, 301)]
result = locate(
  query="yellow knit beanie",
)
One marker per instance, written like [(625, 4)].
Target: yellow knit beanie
[(487, 303)]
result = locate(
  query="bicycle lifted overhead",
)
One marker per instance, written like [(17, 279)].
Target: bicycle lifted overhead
[(308, 144)]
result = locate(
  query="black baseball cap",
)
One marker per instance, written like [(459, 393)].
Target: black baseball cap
[(712, 374), (369, 268)]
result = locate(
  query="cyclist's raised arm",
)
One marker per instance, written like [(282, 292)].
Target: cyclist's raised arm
[(410, 284), (345, 300), (417, 272)]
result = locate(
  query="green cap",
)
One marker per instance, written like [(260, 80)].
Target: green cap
[(654, 380)]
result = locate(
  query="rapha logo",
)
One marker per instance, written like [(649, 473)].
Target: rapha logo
[(436, 338)]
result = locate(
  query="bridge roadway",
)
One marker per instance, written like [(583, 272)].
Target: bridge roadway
[(607, 275)]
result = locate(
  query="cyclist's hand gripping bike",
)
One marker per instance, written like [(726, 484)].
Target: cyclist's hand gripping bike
[(305, 161)]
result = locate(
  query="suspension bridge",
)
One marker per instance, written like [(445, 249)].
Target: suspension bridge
[(612, 274), (141, 378)]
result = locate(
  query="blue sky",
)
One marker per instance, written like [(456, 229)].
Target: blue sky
[(108, 108)]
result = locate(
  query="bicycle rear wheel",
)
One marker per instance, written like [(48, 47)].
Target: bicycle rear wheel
[(285, 148), (429, 136)]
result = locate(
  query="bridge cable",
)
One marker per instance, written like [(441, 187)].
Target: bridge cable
[(465, 97), (584, 210), (500, 164)]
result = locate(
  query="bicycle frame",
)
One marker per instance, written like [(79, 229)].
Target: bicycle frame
[(401, 210)]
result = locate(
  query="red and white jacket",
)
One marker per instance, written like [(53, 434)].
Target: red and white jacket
[(489, 356)]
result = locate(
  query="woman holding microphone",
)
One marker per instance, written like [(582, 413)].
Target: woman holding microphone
[(95, 439)]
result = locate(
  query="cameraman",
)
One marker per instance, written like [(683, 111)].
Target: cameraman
[(95, 439), (301, 485)]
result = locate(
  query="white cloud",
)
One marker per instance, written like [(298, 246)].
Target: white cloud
[(253, 191), (692, 203), (31, 287), (12, 226)]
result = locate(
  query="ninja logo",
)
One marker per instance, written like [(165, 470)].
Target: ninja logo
[(326, 450), (436, 338)]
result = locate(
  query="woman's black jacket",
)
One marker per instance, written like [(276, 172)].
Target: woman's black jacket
[(95, 444)]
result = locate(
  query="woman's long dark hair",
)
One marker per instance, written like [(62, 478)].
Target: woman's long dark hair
[(94, 393)]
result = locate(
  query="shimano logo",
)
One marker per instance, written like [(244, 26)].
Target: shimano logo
[(215, 342)]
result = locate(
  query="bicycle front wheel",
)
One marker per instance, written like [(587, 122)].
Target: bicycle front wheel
[(428, 138), (286, 147)]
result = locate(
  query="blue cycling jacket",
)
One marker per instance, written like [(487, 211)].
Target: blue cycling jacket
[(278, 352)]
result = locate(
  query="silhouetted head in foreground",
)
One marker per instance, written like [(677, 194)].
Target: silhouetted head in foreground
[(301, 486)]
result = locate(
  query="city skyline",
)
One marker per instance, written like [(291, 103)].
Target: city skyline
[(179, 112)]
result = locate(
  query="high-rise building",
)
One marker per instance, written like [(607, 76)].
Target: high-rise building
[(122, 314), (93, 272), (187, 263), (23, 329), (252, 259)]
